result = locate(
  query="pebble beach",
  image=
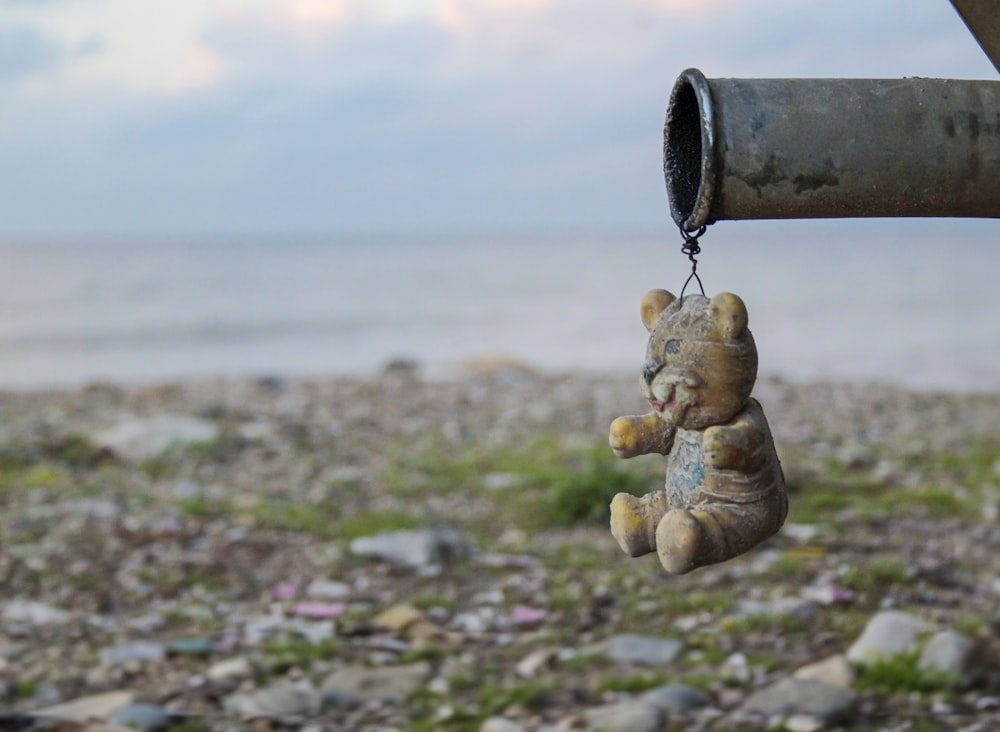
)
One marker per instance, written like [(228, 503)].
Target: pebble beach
[(401, 553)]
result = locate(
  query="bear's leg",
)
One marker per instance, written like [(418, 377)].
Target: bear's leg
[(690, 538), (634, 520), (680, 541)]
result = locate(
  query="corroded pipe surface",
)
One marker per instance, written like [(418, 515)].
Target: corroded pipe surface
[(831, 148)]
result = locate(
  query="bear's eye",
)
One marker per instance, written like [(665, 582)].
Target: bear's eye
[(673, 347)]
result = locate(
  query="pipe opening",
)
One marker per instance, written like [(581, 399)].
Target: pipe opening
[(687, 135)]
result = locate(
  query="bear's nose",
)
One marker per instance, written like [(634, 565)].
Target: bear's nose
[(650, 370)]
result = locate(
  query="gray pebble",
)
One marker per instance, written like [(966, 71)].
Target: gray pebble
[(626, 716), (642, 650), (33, 613), (797, 697), (385, 683), (88, 707), (139, 651), (144, 717), (677, 699), (795, 607), (284, 699)]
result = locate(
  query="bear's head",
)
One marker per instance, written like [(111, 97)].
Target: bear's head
[(701, 361)]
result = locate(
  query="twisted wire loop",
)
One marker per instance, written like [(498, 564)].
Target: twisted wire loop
[(692, 249)]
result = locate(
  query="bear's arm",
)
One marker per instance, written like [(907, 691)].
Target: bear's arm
[(631, 436), (742, 444)]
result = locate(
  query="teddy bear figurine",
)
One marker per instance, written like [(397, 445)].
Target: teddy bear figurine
[(724, 492)]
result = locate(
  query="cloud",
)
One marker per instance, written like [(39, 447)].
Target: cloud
[(24, 51), (388, 114)]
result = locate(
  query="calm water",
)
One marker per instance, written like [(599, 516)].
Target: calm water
[(902, 301)]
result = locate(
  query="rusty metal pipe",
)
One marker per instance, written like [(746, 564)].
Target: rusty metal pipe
[(831, 148)]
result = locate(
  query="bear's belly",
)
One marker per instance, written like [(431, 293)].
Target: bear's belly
[(685, 467)]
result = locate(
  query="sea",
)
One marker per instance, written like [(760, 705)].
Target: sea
[(910, 302)]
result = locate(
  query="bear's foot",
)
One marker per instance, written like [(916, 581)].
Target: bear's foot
[(634, 520), (681, 542)]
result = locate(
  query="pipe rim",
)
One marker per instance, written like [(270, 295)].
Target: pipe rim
[(689, 151)]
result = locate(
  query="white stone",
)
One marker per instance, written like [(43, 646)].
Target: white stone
[(141, 439), (34, 613), (834, 670), (946, 653), (230, 668), (500, 724), (98, 706), (888, 634), (626, 716), (803, 723)]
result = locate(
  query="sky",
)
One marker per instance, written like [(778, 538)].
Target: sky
[(127, 117)]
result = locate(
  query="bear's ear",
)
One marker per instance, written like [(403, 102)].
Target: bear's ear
[(653, 304), (729, 315)]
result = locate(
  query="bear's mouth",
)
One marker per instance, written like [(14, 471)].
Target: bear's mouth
[(661, 406)]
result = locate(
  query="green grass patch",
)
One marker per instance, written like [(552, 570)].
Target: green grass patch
[(367, 523), (633, 683), (876, 577), (280, 656), (584, 495), (288, 515), (535, 696), (554, 482), (900, 674), (206, 508)]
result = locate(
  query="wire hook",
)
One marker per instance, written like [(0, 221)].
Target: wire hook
[(692, 249)]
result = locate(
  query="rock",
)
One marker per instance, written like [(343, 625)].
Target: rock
[(677, 699), (33, 613), (500, 481), (789, 698), (411, 624), (535, 661), (143, 717), (328, 590), (191, 647), (141, 439), (398, 618), (283, 699), (419, 548), (641, 650), (501, 724), (231, 668), (946, 654), (802, 533), (140, 651), (800, 608), (387, 683), (803, 723), (736, 669), (98, 706), (625, 716), (834, 670), (888, 634)]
